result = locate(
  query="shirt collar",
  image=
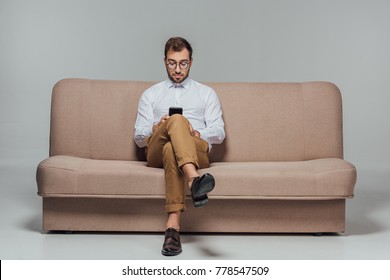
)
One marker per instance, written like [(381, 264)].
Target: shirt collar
[(185, 84)]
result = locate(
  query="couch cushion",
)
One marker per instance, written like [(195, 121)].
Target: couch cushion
[(279, 122), (68, 176), (320, 178), (74, 176)]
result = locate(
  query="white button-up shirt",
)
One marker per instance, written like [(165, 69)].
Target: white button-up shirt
[(200, 106)]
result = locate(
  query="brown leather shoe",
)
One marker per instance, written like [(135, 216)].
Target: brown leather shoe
[(172, 245), (200, 187)]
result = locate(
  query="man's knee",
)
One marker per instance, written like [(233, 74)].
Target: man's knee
[(178, 119)]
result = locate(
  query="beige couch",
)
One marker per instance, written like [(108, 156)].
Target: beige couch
[(280, 168)]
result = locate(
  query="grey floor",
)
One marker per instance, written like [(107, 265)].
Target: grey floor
[(367, 234)]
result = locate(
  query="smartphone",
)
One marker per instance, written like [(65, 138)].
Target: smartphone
[(175, 110)]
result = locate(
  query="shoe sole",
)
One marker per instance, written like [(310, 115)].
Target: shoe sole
[(201, 202), (170, 254), (207, 185)]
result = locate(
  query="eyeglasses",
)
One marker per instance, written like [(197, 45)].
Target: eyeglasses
[(182, 64)]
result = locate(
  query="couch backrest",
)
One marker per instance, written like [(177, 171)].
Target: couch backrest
[(263, 121)]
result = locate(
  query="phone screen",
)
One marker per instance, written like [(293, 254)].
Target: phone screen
[(175, 110)]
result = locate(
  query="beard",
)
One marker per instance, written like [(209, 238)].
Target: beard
[(178, 77)]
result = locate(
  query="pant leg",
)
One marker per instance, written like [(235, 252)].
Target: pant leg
[(171, 146), (175, 190)]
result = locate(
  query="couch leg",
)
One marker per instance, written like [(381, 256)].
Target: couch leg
[(317, 234)]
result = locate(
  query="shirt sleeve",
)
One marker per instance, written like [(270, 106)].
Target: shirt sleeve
[(214, 132), (144, 122)]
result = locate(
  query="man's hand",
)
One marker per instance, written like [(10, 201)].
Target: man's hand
[(163, 120), (194, 132)]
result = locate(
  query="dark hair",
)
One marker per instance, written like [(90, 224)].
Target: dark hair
[(177, 44)]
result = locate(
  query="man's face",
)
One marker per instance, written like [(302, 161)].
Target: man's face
[(178, 65)]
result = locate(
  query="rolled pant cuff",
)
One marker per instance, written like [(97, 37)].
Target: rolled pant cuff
[(175, 208), (184, 162)]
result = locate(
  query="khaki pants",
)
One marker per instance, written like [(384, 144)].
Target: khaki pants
[(170, 147)]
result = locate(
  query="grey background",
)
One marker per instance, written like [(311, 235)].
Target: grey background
[(346, 42)]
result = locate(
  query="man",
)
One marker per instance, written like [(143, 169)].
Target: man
[(179, 143)]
